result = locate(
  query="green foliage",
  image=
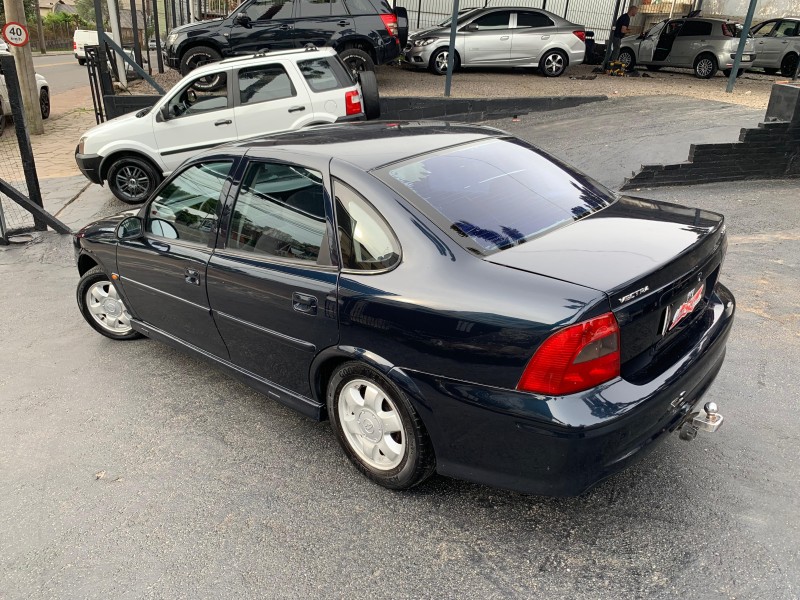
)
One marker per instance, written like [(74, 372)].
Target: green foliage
[(85, 9), (30, 11)]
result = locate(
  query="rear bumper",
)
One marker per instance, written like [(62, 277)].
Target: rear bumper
[(725, 60), (89, 165), (563, 446)]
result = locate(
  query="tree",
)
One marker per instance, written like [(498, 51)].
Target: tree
[(30, 11), (85, 9)]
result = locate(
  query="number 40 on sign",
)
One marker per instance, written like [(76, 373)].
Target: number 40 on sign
[(15, 34)]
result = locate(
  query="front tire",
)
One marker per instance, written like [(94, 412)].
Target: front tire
[(132, 179), (553, 63), (102, 307), (438, 62), (627, 58), (378, 428), (705, 66), (44, 103), (82, 61)]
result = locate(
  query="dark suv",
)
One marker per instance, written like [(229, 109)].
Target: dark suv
[(363, 32)]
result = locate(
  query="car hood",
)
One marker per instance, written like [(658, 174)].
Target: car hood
[(105, 228), (110, 127), (434, 32), (616, 246), (194, 26)]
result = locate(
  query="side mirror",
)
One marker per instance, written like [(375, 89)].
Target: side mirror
[(164, 112), (130, 229), (470, 27), (242, 19)]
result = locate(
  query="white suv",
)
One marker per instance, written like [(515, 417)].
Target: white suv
[(222, 102)]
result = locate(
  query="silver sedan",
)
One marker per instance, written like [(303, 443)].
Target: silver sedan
[(501, 37)]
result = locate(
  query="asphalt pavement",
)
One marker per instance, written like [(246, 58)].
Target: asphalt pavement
[(62, 72), (128, 470)]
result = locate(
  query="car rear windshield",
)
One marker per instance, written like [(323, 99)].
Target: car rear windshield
[(323, 74), (495, 194)]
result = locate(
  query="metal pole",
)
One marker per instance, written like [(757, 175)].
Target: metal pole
[(611, 34), (451, 51), (748, 22), (15, 12), (42, 44), (566, 9), (419, 11), (137, 45), (174, 16), (672, 8), (157, 33)]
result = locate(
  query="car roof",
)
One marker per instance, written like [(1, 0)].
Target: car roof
[(260, 57), (367, 145)]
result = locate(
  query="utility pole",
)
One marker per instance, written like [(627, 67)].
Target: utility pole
[(42, 44), (23, 59)]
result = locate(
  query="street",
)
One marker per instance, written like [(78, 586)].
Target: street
[(133, 471), (62, 71)]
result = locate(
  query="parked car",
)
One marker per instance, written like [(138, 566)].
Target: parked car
[(80, 39), (363, 32), (445, 294), (223, 102), (501, 37), (44, 97), (777, 43), (704, 45), (3, 45)]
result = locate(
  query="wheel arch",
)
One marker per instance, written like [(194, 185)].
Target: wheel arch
[(194, 43), (86, 263), (358, 43)]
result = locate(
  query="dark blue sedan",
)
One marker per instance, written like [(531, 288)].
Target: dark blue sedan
[(450, 297)]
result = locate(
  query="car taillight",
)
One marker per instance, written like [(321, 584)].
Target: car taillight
[(574, 359), (581, 35), (390, 22), (74, 45), (352, 103)]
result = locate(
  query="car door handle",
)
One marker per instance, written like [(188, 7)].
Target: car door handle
[(503, 37), (545, 37), (284, 27), (343, 23), (191, 276), (160, 246), (297, 108), (304, 303), (223, 122)]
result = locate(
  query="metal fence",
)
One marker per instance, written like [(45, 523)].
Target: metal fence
[(20, 198), (57, 36), (595, 15)]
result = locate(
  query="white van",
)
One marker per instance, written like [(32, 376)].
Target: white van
[(83, 37)]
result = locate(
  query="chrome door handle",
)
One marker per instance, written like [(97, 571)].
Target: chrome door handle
[(223, 122), (160, 246), (503, 37), (304, 303), (343, 23), (545, 37), (297, 108), (284, 27)]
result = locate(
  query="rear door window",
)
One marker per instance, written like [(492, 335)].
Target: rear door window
[(323, 74), (492, 195), (264, 83), (494, 20), (786, 29), (694, 28), (533, 19)]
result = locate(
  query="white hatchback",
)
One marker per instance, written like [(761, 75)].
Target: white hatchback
[(221, 102)]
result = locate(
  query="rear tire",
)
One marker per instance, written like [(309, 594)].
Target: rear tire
[(132, 179), (705, 66), (82, 61), (370, 97), (789, 65), (357, 60), (377, 427), (198, 56), (553, 63)]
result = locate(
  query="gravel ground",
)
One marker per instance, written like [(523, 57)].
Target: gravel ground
[(752, 89)]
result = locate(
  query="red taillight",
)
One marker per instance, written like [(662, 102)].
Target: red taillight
[(74, 45), (574, 359), (390, 21), (581, 35), (352, 103)]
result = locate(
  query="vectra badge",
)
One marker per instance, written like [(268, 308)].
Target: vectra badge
[(692, 300), (633, 295)]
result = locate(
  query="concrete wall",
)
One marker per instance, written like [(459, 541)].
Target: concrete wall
[(765, 9)]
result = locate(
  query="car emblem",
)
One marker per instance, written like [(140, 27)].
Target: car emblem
[(692, 300), (633, 295)]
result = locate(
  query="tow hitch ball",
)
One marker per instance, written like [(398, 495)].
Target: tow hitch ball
[(710, 422)]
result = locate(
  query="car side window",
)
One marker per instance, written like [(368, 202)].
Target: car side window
[(280, 212), (264, 83), (366, 241), (786, 29), (314, 8), (323, 74), (494, 20), (533, 19), (196, 98), (764, 30), (267, 10), (695, 28), (187, 208), (360, 7)]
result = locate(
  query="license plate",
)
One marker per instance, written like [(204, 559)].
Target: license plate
[(747, 57), (683, 307)]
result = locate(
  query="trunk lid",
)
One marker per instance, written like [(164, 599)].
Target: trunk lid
[(653, 260)]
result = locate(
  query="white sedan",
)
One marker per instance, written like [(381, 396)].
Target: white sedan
[(5, 108)]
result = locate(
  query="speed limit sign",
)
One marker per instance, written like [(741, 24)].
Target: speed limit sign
[(15, 34)]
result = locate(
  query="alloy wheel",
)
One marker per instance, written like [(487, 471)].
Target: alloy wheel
[(554, 64), (441, 62), (133, 181), (356, 64), (107, 308), (371, 424), (704, 67)]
